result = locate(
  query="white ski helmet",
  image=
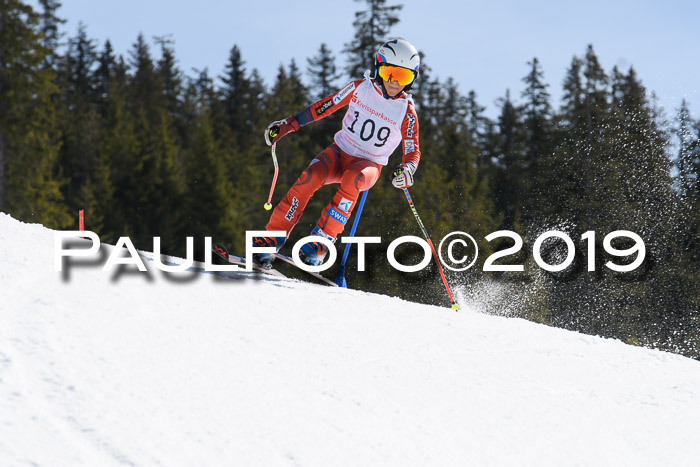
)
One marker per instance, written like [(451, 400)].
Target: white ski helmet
[(400, 53)]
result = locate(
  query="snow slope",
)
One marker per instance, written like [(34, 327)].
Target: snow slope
[(101, 369)]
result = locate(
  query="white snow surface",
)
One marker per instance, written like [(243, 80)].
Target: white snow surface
[(102, 369)]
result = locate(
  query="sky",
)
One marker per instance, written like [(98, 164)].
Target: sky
[(484, 46)]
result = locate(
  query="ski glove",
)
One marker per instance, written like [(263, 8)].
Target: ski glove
[(276, 130), (402, 177)]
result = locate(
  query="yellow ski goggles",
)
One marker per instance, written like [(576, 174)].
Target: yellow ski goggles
[(403, 76)]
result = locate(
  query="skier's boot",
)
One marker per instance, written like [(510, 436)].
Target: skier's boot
[(265, 259), (313, 253)]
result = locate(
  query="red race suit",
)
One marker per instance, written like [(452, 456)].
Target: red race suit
[(373, 127)]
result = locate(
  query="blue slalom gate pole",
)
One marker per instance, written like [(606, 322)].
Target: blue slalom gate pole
[(340, 275)]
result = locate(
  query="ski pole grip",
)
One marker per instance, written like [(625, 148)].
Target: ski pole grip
[(274, 131)]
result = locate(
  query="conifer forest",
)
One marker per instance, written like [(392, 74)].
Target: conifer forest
[(147, 150)]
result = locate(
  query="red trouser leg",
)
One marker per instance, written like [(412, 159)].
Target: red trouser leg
[(356, 175), (323, 169)]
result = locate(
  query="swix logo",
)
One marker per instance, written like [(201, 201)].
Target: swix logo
[(337, 216), (292, 209), (411, 123)]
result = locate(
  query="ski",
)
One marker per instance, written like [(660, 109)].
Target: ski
[(222, 251), (318, 276)]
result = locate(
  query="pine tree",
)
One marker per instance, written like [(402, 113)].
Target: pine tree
[(118, 140), (256, 98), (89, 79), (372, 27), (638, 158), (690, 241), (170, 76), (537, 125), (578, 188), (638, 174), (79, 116), (29, 141), (423, 82), (49, 25), (145, 84), (251, 167), (212, 204), (324, 81), (694, 163), (104, 73), (688, 151), (156, 181), (287, 97), (512, 182), (323, 73), (577, 163), (237, 100)]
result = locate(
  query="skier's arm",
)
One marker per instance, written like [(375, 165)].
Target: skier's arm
[(402, 176), (326, 106), (316, 111)]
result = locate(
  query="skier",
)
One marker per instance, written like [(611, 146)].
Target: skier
[(380, 116)]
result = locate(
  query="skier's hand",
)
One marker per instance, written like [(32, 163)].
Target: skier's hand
[(276, 130), (402, 176)]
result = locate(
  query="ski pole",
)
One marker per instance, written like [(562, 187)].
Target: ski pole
[(430, 242), (340, 275), (268, 205)]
